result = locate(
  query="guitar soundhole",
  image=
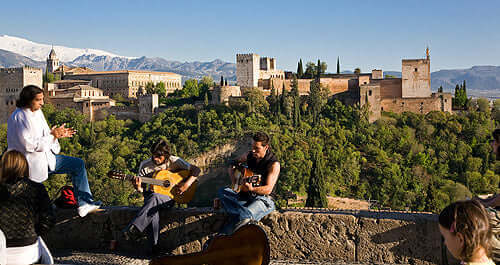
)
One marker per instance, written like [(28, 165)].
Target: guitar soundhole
[(166, 184)]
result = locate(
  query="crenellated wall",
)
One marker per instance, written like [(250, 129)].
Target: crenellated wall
[(309, 235)]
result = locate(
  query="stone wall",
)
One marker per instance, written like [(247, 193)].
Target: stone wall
[(390, 88), (437, 102), (309, 235)]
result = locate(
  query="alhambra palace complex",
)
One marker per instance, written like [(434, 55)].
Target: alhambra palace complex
[(411, 93), (89, 91)]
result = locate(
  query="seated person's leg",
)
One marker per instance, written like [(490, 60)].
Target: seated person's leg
[(260, 207), (149, 215), (76, 168)]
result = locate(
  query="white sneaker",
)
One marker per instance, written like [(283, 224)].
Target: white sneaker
[(87, 208)]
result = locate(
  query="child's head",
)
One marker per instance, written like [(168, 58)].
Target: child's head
[(465, 227)]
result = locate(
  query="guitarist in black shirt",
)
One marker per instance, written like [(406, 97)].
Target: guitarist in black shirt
[(252, 202)]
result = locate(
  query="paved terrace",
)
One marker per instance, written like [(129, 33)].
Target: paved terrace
[(296, 236)]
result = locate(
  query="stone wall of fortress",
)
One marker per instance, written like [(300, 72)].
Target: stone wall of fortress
[(342, 236), (437, 101), (12, 81), (390, 88)]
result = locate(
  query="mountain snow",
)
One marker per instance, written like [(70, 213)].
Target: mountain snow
[(40, 52)]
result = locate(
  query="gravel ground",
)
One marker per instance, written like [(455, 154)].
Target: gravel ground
[(86, 258)]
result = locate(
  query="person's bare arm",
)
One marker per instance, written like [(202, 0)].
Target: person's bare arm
[(272, 177), (194, 172)]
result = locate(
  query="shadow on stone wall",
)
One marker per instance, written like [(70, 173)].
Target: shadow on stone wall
[(337, 236)]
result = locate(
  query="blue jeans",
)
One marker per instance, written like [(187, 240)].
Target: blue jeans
[(241, 206), (76, 168), (149, 214)]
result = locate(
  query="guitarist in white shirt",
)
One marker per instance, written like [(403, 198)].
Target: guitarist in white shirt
[(29, 133), (148, 215)]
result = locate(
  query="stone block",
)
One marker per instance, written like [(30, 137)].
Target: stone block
[(398, 241), (307, 236)]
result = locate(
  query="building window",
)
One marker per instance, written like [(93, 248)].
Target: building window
[(369, 92), (416, 69), (382, 108)]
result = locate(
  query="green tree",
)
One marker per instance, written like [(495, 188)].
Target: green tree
[(357, 70), (316, 192), (338, 65), (296, 102), (190, 88), (300, 69), (160, 89), (310, 70)]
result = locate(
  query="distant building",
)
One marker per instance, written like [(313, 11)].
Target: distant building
[(12, 81), (127, 82), (223, 92), (52, 61), (255, 71), (83, 98), (411, 93), (113, 83)]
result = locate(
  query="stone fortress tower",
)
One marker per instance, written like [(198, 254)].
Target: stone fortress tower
[(12, 81), (255, 71), (416, 77), (52, 61), (247, 70)]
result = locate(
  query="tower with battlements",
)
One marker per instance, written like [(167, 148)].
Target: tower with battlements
[(247, 70), (416, 77)]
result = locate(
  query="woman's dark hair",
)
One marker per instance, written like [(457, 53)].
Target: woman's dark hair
[(470, 219), (13, 166), (27, 95), (261, 137), (160, 148)]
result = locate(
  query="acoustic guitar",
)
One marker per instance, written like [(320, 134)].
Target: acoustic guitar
[(164, 182), (247, 246), (242, 175)]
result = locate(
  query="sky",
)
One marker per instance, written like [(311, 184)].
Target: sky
[(365, 34)]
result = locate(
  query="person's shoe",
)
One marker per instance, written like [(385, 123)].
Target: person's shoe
[(87, 208), (132, 233), (241, 223)]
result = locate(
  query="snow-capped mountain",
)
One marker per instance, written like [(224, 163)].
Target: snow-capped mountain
[(39, 52)]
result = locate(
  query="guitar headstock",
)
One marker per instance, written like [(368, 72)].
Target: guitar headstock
[(115, 174)]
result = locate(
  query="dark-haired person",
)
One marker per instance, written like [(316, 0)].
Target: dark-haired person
[(251, 203), (25, 211), (148, 215), (29, 133)]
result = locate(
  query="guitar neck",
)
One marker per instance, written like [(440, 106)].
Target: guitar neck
[(147, 180)]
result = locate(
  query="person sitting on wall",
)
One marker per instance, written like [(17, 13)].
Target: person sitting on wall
[(251, 203), (29, 133), (149, 216)]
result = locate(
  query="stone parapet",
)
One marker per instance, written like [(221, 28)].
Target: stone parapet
[(309, 235)]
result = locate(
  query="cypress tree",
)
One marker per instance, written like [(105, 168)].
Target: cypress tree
[(296, 101), (300, 69), (206, 99), (316, 192), (338, 65), (318, 70)]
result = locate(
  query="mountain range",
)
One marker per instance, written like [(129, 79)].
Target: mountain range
[(15, 52)]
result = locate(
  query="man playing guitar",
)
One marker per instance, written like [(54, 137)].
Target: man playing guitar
[(251, 203), (149, 215)]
